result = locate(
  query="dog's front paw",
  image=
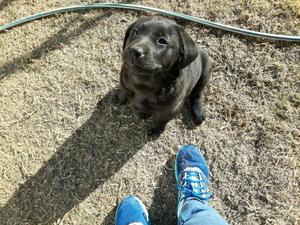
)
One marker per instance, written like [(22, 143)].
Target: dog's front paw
[(155, 131), (198, 119), (144, 116), (120, 97), (198, 115)]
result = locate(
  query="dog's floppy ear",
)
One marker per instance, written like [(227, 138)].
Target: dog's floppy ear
[(134, 24), (188, 49), (127, 33)]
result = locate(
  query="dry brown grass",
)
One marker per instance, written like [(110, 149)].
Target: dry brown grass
[(68, 155)]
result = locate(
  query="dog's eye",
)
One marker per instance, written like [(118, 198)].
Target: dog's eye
[(134, 32), (162, 41)]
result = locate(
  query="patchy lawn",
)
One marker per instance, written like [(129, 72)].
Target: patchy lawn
[(68, 155)]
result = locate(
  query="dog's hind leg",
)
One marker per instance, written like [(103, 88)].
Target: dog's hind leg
[(198, 91)]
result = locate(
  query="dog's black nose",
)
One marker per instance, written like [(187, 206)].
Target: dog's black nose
[(136, 52)]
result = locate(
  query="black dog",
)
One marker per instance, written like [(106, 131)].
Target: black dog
[(162, 66)]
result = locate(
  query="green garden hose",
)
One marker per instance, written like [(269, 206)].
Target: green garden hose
[(278, 37)]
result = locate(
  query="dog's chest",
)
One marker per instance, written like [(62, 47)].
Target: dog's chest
[(150, 94), (144, 99), (145, 94)]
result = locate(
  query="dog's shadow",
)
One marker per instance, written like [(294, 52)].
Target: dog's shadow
[(92, 154)]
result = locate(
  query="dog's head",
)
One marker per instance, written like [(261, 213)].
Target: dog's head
[(156, 44)]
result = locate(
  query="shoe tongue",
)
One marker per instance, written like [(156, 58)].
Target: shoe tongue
[(193, 173), (195, 180), (195, 185), (192, 179)]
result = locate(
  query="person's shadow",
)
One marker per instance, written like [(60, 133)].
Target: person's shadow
[(92, 154), (163, 208)]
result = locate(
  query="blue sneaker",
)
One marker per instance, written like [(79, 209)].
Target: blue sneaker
[(132, 211), (192, 175)]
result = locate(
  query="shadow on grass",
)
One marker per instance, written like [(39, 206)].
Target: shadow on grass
[(110, 217), (68, 33), (163, 208), (93, 153)]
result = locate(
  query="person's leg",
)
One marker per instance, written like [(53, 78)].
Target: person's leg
[(194, 212), (192, 177), (131, 211)]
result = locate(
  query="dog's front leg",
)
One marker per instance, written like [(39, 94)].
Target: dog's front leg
[(159, 123), (198, 91), (144, 116), (120, 97)]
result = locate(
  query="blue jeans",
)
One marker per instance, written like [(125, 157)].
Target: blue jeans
[(194, 212)]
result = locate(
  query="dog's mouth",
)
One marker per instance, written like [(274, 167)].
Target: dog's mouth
[(142, 64), (146, 67)]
